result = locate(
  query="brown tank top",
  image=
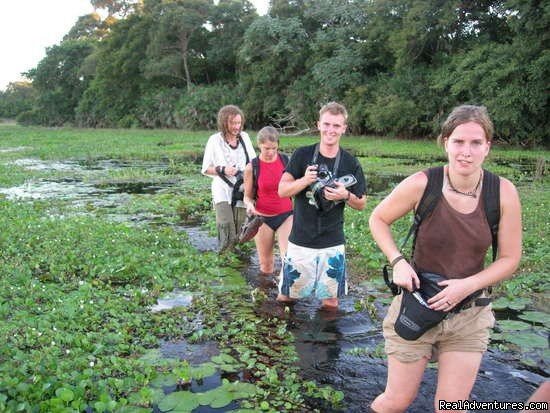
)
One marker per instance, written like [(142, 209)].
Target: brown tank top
[(451, 243)]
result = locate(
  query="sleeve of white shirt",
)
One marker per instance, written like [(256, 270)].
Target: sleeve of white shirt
[(208, 158)]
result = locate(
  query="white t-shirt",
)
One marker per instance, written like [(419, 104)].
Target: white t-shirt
[(219, 153)]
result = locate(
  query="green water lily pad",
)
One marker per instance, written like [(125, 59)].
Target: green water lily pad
[(202, 371), (243, 390), (513, 303), (536, 317), (222, 400), (65, 394), (527, 341), (513, 325), (218, 397), (224, 358), (164, 380), (179, 402), (226, 393), (133, 409)]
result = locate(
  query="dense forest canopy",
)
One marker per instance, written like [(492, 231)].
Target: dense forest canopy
[(398, 65)]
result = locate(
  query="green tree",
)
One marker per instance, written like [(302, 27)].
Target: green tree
[(117, 7), (90, 26), (59, 82), (229, 20), (17, 98), (170, 47), (273, 54), (114, 93)]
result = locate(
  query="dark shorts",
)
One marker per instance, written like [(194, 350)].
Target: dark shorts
[(276, 221)]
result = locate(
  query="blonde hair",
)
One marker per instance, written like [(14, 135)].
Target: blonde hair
[(464, 114), (334, 108), (225, 114), (267, 134)]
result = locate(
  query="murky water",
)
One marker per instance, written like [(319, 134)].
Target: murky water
[(342, 348)]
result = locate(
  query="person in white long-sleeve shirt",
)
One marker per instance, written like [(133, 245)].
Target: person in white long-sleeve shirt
[(225, 157)]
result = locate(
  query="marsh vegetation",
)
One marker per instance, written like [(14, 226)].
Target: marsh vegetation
[(113, 298)]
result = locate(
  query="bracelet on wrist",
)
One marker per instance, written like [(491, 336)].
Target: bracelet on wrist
[(396, 260), (349, 196)]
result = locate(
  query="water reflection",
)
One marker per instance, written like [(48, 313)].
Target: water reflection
[(341, 348), (175, 299)]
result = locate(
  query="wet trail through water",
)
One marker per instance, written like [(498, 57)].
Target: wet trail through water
[(343, 348)]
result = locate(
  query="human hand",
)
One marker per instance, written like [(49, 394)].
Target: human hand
[(336, 194), (454, 292), (250, 209), (310, 175), (405, 276), (231, 170)]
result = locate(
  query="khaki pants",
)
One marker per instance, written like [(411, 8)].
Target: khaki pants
[(228, 223)]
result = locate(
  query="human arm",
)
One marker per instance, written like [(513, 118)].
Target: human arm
[(508, 258), (398, 203), (213, 158), (248, 190)]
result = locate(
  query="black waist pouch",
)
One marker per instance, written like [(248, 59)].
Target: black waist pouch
[(415, 317)]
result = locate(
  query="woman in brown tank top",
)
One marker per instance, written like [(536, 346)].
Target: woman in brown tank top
[(453, 241)]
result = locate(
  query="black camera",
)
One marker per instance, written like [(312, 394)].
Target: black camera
[(316, 190), (325, 177)]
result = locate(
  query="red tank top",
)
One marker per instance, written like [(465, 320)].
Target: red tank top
[(268, 201)]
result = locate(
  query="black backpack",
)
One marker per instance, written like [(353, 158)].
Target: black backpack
[(490, 193), (256, 172)]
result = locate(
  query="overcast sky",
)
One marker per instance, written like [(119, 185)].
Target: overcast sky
[(27, 27)]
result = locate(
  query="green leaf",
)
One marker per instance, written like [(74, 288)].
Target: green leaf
[(536, 317), (222, 399), (513, 304), (513, 325), (134, 409), (526, 340), (164, 380), (202, 371), (223, 359), (179, 402), (65, 394)]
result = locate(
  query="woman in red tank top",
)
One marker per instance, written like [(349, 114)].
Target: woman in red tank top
[(453, 241), (261, 198)]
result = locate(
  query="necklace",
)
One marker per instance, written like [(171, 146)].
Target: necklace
[(472, 193), (233, 145)]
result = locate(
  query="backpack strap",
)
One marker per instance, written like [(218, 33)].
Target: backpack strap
[(255, 174), (430, 198), (284, 158), (223, 177), (336, 161), (490, 192), (244, 148)]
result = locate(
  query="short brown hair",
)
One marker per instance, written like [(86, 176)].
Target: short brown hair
[(225, 113), (464, 114), (334, 108), (267, 134)]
